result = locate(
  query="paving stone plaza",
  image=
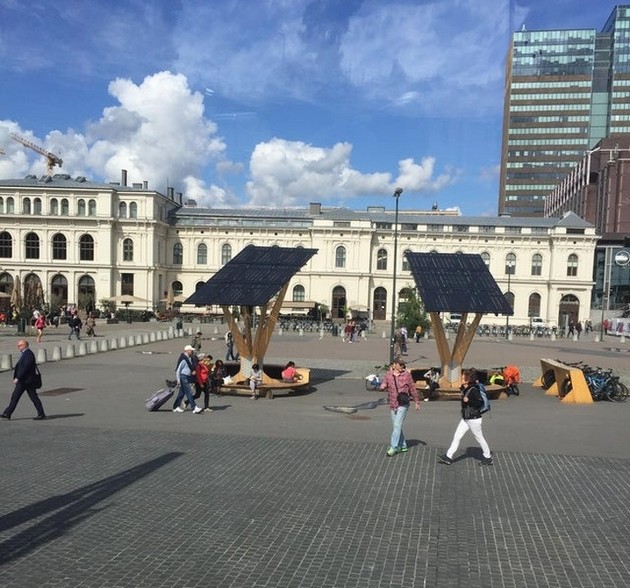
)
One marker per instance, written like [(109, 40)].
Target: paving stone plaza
[(284, 493)]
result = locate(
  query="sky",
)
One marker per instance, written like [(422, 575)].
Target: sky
[(270, 103)]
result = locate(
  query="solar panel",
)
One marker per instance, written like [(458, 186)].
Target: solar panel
[(253, 277), (456, 282)]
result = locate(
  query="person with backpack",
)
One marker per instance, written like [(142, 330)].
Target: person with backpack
[(474, 405)]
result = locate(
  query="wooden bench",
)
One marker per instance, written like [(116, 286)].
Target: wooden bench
[(272, 383), (494, 391), (567, 379)]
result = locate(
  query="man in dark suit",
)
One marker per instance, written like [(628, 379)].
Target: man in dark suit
[(24, 378)]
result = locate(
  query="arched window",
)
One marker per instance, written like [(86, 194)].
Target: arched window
[(92, 207), (202, 254), (58, 291), (299, 294), (572, 265), (6, 245), (536, 267), (59, 247), (533, 308), (6, 283), (86, 248), (509, 296), (26, 206), (405, 263), (381, 259), (178, 254), (87, 293), (379, 303), (37, 206), (338, 302), (54, 206), (81, 208), (122, 209), (133, 210), (10, 205), (178, 289), (32, 246), (510, 264), (226, 253), (33, 293), (1, 205), (485, 257), (340, 256), (127, 249), (65, 207)]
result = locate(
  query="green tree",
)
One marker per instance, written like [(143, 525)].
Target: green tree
[(411, 311)]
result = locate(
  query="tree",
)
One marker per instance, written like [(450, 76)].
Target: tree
[(411, 311)]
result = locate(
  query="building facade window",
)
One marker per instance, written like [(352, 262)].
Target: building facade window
[(122, 210), (54, 206), (128, 250), (381, 259), (178, 288), (6, 245), (485, 257), (126, 284), (58, 291), (133, 210), (59, 246), (81, 208), (26, 206), (178, 254), (86, 248), (226, 253), (10, 205), (340, 256), (32, 246), (299, 294), (37, 206), (92, 207), (510, 264), (537, 266), (202, 254), (572, 265), (405, 263), (65, 207), (534, 305)]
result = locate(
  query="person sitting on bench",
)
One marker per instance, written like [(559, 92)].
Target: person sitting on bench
[(290, 374)]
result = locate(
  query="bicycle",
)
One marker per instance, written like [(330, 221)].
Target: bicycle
[(602, 384)]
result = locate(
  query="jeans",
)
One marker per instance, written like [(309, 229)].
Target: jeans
[(184, 390), (474, 425), (398, 440)]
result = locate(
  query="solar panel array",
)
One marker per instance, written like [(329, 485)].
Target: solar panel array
[(456, 282), (253, 277)]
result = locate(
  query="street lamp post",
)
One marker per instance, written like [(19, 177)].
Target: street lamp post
[(397, 194), (510, 269)]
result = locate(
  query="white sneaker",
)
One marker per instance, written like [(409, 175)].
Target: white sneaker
[(197, 410), (177, 409)]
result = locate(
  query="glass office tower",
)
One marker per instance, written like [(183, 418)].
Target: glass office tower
[(565, 91)]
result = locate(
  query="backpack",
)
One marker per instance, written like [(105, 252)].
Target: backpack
[(484, 398)]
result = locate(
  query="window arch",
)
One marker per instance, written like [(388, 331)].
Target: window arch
[(202, 254), (87, 293), (6, 283), (81, 207), (133, 210), (128, 249), (58, 291), (485, 257), (226, 253), (122, 209), (299, 294), (510, 264), (340, 256), (338, 302), (26, 206), (86, 248), (65, 207), (537, 261), (10, 205), (572, 265), (533, 307), (59, 246), (37, 206), (405, 261), (33, 293), (92, 207), (1, 205), (31, 242), (381, 259), (6, 245), (178, 288), (54, 206), (178, 254), (379, 303)]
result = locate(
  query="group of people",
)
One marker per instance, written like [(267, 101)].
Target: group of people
[(401, 392)]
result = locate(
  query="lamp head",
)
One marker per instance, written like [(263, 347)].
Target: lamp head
[(398, 192)]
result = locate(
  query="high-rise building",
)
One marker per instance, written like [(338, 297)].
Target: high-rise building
[(565, 91)]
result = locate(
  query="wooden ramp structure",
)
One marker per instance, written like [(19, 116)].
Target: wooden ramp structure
[(455, 282), (257, 278)]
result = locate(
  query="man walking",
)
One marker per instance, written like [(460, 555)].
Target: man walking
[(185, 375), (24, 378)]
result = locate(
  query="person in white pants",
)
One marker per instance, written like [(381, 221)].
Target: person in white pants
[(471, 420)]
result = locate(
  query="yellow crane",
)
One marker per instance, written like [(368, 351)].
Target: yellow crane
[(51, 158)]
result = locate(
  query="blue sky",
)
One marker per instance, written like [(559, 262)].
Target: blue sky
[(270, 102)]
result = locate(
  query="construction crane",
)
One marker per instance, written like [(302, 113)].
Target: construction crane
[(52, 159)]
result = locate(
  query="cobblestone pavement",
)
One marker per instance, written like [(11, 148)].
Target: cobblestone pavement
[(283, 493)]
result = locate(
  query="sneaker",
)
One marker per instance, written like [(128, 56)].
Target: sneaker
[(445, 459), (403, 449), (207, 409), (486, 461), (391, 451), (178, 409), (197, 410)]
